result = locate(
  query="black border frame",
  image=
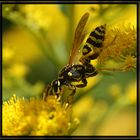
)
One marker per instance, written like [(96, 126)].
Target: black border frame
[(138, 64)]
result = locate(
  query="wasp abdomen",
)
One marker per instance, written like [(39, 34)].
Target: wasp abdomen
[(86, 49), (95, 39)]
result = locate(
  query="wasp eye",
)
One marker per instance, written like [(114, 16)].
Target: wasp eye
[(56, 85)]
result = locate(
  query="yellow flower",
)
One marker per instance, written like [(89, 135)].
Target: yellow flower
[(47, 17), (120, 46), (131, 92), (18, 70), (129, 62), (36, 117), (8, 54), (37, 15), (115, 90)]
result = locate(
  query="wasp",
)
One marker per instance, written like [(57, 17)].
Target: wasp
[(75, 73)]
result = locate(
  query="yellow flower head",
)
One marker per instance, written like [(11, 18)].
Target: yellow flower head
[(131, 92), (36, 117), (18, 70), (8, 54), (120, 46)]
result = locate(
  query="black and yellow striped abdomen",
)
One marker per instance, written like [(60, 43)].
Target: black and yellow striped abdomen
[(95, 40)]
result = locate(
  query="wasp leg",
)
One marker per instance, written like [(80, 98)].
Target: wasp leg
[(94, 56), (47, 91), (94, 73), (71, 95), (90, 70), (84, 84), (73, 88), (90, 56)]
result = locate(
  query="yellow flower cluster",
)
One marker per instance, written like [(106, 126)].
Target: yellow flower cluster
[(130, 94), (12, 65), (120, 46), (37, 14), (47, 18), (36, 117)]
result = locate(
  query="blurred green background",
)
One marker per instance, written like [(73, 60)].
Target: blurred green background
[(36, 43)]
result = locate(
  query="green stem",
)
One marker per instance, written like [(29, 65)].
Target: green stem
[(19, 20)]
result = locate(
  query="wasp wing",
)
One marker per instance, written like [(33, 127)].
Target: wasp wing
[(78, 38)]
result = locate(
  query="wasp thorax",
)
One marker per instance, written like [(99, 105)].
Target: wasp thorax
[(69, 74)]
